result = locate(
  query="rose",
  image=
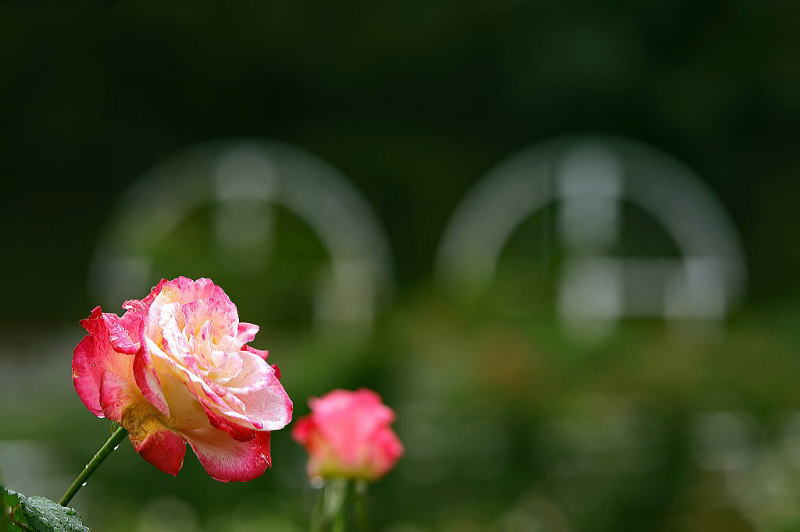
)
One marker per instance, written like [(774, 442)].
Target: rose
[(347, 434), (176, 369)]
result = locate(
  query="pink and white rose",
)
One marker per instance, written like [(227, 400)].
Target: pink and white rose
[(348, 434), (176, 368)]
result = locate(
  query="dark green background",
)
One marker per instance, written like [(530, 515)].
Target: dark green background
[(411, 100)]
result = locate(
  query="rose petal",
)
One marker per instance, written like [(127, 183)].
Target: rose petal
[(303, 429), (144, 304), (247, 332), (385, 450), (221, 313), (262, 353), (205, 392), (93, 357), (345, 417), (117, 393), (184, 290), (227, 366), (258, 388), (119, 334), (229, 460), (148, 382), (164, 449), (237, 432)]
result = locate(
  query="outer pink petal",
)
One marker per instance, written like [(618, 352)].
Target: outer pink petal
[(386, 449), (93, 357), (229, 460), (247, 332), (136, 313), (164, 449), (117, 393), (144, 304), (123, 333), (303, 429), (86, 376)]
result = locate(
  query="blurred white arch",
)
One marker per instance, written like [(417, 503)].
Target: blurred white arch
[(590, 178), (241, 179)]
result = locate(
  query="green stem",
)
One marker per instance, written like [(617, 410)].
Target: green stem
[(361, 505), (318, 514), (330, 515), (107, 448), (339, 521)]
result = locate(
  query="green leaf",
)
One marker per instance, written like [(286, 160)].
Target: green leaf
[(21, 513), (10, 512)]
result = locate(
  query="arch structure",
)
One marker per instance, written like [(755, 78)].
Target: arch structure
[(589, 179), (241, 180)]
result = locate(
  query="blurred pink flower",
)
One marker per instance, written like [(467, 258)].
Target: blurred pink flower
[(347, 434), (176, 369)]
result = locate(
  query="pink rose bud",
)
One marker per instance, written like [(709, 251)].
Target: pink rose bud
[(176, 369), (347, 434)]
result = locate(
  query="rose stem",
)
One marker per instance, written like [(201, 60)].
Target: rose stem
[(335, 503), (107, 448), (361, 505)]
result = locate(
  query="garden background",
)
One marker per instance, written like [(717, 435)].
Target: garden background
[(517, 411)]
